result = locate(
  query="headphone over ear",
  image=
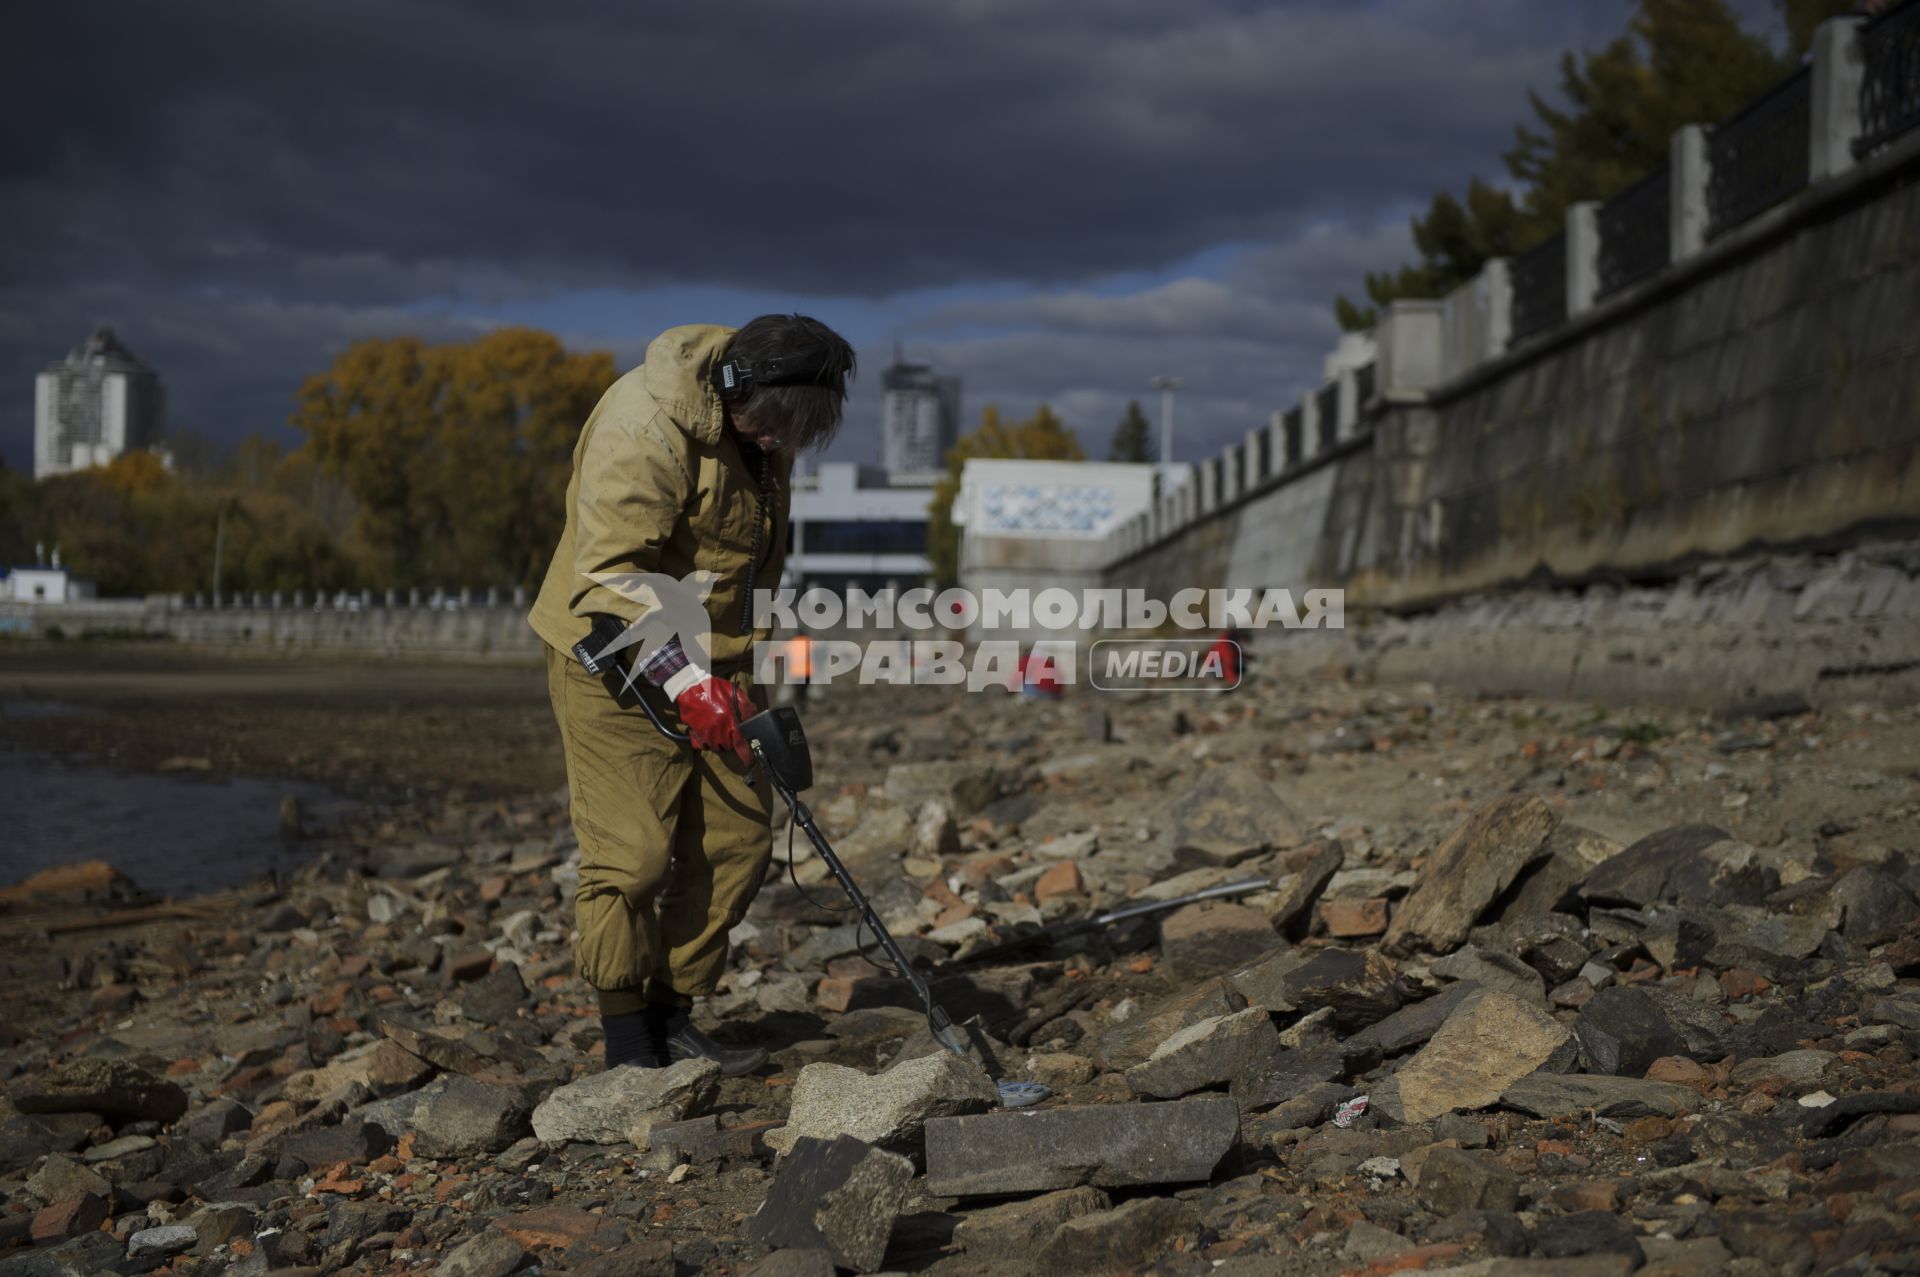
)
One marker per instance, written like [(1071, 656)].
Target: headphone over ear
[(740, 376)]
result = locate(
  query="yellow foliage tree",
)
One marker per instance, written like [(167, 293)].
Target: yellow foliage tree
[(1041, 437), (457, 455)]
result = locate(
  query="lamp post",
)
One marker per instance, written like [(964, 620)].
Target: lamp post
[(1166, 386)]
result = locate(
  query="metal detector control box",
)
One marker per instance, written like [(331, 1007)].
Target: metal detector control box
[(782, 746)]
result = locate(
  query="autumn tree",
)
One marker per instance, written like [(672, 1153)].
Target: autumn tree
[(1041, 437), (456, 456), (1132, 438), (1679, 62)]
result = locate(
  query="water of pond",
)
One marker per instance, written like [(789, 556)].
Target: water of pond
[(174, 835)]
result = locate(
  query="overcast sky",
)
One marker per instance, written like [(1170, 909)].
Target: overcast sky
[(1054, 199)]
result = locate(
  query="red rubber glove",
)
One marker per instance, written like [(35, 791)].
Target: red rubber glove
[(712, 709)]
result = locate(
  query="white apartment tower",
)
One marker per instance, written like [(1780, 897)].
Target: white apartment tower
[(919, 418), (95, 404)]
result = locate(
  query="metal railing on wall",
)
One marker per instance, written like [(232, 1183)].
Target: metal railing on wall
[(1760, 155), (1636, 231), (1890, 77), (1859, 92), (1540, 288)]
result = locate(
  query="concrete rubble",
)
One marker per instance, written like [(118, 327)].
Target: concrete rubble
[(1621, 992)]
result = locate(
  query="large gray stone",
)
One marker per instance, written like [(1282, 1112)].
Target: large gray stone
[(840, 1196), (1212, 937), (470, 1117), (1622, 1032), (150, 1244), (489, 1253), (1491, 1041), (1688, 864), (1135, 1038), (1226, 816), (112, 1088), (1210, 1053), (1877, 908), (1014, 1231), (1411, 1025), (1108, 1146), (1453, 1180), (1477, 862), (1360, 985), (621, 1103), (1495, 970), (61, 1177), (888, 1109), (1123, 1239), (1552, 879), (1550, 1095), (1280, 1076), (964, 787), (1293, 916)]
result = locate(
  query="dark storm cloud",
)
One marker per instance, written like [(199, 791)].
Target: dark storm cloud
[(202, 162)]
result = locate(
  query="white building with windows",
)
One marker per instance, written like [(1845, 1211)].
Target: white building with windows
[(919, 418), (1038, 525), (98, 402), (855, 525)]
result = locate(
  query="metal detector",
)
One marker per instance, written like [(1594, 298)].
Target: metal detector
[(780, 747)]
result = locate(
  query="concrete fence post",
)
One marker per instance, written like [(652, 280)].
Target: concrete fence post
[(1347, 424), (413, 596), (1583, 255), (1837, 69), (519, 597), (1412, 341), (1687, 168), (1309, 425), (1499, 330)]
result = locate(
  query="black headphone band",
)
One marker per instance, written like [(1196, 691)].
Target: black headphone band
[(738, 376)]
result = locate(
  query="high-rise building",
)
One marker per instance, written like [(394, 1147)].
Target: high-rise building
[(95, 404), (919, 418)]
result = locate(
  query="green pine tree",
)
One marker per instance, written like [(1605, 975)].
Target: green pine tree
[(1679, 62), (1133, 437)]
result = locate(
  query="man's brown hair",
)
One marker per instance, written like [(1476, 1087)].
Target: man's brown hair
[(803, 400)]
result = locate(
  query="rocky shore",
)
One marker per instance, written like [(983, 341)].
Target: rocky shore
[(1526, 988)]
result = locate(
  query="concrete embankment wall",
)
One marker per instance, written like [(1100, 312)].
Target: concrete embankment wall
[(478, 631), (1766, 391), (1832, 629)]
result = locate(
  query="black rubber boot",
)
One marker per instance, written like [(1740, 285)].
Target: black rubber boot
[(685, 1042), (633, 1039)]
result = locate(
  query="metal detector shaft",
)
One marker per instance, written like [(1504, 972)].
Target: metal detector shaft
[(937, 1019)]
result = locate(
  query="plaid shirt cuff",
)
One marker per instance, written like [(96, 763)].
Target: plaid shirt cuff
[(667, 660)]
